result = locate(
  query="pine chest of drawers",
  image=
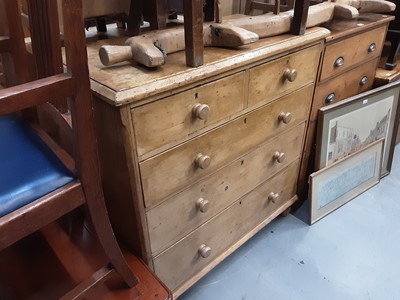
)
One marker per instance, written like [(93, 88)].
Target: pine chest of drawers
[(196, 161), (349, 61)]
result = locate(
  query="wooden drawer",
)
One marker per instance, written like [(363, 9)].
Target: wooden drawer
[(182, 261), (181, 166), (268, 81), (346, 85), (176, 117), (220, 190), (353, 51)]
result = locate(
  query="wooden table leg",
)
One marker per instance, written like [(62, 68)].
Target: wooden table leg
[(209, 10), (135, 17), (194, 45), (300, 17), (156, 12)]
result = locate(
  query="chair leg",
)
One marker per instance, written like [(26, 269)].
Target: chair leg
[(86, 159), (101, 223), (135, 17), (156, 12), (394, 38), (209, 10)]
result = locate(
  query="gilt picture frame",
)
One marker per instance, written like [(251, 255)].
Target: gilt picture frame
[(337, 184), (352, 124)]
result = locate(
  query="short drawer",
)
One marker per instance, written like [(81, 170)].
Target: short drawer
[(274, 79), (205, 198), (186, 258), (353, 82), (352, 51), (173, 118), (183, 165)]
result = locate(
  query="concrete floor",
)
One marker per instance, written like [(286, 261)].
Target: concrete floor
[(353, 253)]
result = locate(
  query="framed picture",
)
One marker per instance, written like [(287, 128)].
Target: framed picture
[(350, 125), (345, 179)]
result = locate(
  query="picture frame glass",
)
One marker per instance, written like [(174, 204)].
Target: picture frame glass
[(345, 179), (351, 125)]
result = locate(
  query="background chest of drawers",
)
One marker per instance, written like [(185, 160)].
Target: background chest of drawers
[(350, 58), (196, 161)]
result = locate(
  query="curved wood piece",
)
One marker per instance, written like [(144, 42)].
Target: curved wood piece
[(230, 36), (151, 49), (364, 6), (346, 11)]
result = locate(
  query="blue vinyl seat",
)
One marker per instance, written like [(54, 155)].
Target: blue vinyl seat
[(28, 168)]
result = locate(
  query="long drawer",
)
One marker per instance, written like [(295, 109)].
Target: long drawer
[(185, 259), (353, 82), (181, 166), (178, 116), (352, 51), (271, 80), (204, 199)]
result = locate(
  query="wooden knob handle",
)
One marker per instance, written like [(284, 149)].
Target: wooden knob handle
[(204, 251), (290, 74), (201, 111), (273, 197), (110, 55), (363, 80), (285, 117), (203, 205), (202, 161), (339, 62), (279, 156)]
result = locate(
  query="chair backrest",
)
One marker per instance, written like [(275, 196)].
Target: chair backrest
[(33, 79), (276, 6)]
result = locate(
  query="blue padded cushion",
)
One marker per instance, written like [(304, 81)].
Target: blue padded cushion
[(28, 168)]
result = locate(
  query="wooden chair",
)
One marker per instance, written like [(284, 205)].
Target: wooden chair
[(276, 7), (39, 180)]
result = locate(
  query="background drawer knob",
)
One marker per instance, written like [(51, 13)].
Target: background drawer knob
[(290, 74), (330, 98), (201, 111), (372, 48), (204, 251), (202, 204), (285, 117), (363, 80), (273, 197), (339, 62), (202, 161), (279, 156)]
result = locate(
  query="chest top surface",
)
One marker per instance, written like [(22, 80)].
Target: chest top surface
[(342, 28), (129, 83)]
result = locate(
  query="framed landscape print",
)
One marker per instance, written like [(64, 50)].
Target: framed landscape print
[(351, 125), (345, 179)]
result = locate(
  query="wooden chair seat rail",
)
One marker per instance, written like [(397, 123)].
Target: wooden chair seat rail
[(29, 218)]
